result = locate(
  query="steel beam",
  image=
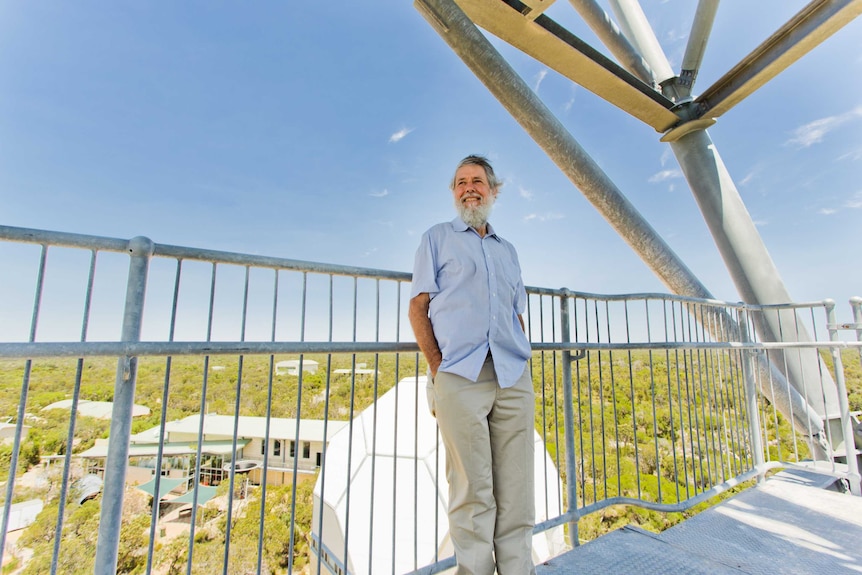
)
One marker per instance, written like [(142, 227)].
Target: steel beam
[(635, 26), (811, 26), (701, 28), (609, 33), (556, 47)]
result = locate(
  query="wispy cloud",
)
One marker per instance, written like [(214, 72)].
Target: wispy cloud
[(381, 194), (665, 175), (544, 217), (855, 202), (666, 156), (399, 135), (747, 178), (567, 107), (539, 77), (524, 193), (814, 132), (827, 211), (852, 155)]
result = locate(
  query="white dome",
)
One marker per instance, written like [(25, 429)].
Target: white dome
[(398, 490)]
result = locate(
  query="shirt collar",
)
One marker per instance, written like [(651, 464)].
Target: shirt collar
[(459, 226)]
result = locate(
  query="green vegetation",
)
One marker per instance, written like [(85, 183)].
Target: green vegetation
[(242, 558), (661, 427)]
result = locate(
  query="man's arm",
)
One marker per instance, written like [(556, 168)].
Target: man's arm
[(424, 332), (521, 319)]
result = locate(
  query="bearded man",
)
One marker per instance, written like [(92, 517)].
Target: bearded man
[(466, 306)]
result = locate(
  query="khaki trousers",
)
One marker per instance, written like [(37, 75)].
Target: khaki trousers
[(489, 437)]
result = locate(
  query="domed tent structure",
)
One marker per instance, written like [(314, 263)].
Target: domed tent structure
[(382, 494)]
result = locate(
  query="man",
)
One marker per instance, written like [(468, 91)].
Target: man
[(465, 309)]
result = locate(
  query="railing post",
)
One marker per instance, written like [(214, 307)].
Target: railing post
[(752, 397), (856, 304), (140, 251), (843, 404), (569, 421)]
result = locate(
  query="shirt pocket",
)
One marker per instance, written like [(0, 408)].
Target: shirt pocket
[(454, 271)]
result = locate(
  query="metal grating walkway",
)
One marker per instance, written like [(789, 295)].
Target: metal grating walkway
[(790, 524)]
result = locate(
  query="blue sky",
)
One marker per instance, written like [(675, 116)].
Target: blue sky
[(328, 132)]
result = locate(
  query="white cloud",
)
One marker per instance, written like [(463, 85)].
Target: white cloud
[(666, 156), (571, 102), (814, 132), (544, 217), (747, 178), (526, 194), (852, 155), (827, 211), (380, 194), (855, 202), (665, 175), (539, 77), (760, 223), (399, 135)]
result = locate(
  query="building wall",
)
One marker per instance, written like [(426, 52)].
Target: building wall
[(307, 453)]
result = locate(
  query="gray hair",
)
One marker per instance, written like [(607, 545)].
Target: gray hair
[(476, 160)]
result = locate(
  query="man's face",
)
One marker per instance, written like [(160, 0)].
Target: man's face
[(471, 189)]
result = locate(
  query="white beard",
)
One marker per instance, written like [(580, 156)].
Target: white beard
[(478, 216)]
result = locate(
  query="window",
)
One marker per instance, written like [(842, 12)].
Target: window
[(263, 446), (276, 449), (293, 449), (306, 449)]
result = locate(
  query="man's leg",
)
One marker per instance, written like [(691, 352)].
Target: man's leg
[(462, 415), (512, 427)]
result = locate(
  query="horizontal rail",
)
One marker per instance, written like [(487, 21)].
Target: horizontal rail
[(70, 240), (156, 348)]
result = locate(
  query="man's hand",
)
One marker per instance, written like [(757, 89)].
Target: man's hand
[(424, 331)]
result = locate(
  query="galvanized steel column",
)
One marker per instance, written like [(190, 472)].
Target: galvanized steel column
[(755, 275), (140, 250), (750, 265)]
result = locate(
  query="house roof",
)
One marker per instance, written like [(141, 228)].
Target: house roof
[(150, 449), (248, 427)]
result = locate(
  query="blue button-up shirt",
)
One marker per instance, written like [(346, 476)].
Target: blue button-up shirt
[(476, 295)]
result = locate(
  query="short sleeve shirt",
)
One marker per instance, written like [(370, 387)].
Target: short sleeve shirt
[(476, 295)]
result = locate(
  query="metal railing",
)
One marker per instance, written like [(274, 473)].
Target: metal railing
[(650, 400)]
